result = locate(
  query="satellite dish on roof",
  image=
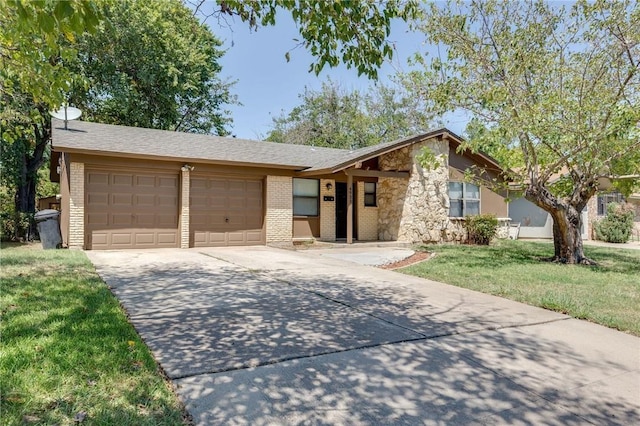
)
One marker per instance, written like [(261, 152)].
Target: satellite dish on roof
[(67, 114)]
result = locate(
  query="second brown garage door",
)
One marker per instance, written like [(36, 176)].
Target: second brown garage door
[(225, 212)]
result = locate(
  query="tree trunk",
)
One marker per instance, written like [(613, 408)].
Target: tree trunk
[(31, 160), (567, 237), (567, 224)]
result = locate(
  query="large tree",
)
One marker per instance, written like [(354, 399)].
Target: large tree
[(36, 42), (554, 92), (355, 32), (338, 118), (140, 63), (154, 65)]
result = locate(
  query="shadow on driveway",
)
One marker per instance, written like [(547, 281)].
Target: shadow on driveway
[(355, 345)]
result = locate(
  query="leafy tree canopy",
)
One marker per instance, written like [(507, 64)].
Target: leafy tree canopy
[(154, 65), (353, 32), (334, 117), (553, 92)]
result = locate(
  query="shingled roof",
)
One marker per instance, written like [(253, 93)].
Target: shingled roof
[(135, 142), (123, 141)]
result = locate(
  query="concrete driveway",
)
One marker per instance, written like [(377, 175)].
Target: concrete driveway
[(267, 336)]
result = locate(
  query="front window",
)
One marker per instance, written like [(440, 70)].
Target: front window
[(605, 199), (464, 199), (370, 194), (306, 197)]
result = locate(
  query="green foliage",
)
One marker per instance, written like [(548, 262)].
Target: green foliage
[(353, 32), (36, 43), (67, 347), (553, 92), (153, 65), (14, 226), (336, 118), (617, 225), (607, 294), (481, 229)]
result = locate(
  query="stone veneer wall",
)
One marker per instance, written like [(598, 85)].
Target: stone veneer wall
[(327, 211), (415, 210), (592, 217), (367, 217), (279, 215), (184, 207), (76, 205)]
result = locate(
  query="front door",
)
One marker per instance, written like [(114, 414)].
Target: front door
[(341, 210)]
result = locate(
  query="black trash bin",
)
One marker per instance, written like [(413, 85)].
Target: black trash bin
[(48, 223)]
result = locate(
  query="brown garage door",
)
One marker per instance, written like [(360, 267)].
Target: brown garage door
[(131, 209), (225, 212)]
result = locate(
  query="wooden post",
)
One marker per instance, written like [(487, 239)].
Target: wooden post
[(349, 209)]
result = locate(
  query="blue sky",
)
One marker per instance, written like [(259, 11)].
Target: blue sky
[(267, 84)]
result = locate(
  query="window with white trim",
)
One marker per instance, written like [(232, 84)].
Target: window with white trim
[(306, 197), (370, 194), (464, 199)]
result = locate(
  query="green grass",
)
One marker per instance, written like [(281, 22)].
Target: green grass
[(67, 348), (607, 294)]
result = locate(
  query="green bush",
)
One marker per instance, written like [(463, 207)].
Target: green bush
[(617, 224), (481, 228)]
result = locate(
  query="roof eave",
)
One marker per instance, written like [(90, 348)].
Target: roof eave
[(176, 158)]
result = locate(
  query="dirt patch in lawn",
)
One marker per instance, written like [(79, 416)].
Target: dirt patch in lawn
[(417, 257)]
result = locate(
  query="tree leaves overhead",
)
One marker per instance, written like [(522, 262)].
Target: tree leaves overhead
[(152, 64), (35, 44), (352, 32), (553, 90), (337, 118)]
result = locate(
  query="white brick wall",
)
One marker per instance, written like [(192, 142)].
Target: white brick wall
[(327, 211), (367, 217), (76, 206), (279, 217), (184, 208)]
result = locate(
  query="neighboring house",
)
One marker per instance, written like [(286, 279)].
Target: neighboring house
[(537, 223), (49, 203), (125, 187), (598, 209)]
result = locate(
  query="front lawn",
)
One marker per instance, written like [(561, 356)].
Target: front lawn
[(608, 294), (69, 356)]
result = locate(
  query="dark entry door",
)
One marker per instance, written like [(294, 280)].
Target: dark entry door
[(341, 210)]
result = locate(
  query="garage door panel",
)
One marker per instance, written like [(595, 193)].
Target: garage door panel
[(142, 180), (144, 238), (146, 220), (167, 200), (122, 180), (166, 221), (233, 209), (122, 219), (145, 200), (98, 199), (98, 178), (122, 199), (216, 203), (98, 220), (167, 182), (121, 238), (254, 237), (131, 209)]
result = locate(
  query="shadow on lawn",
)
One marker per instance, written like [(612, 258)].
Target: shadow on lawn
[(512, 253), (67, 348), (262, 347)]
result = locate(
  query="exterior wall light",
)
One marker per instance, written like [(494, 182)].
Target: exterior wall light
[(329, 186)]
